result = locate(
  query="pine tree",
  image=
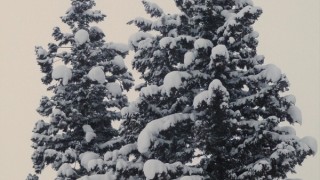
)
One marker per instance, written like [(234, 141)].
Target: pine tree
[(87, 77), (207, 94)]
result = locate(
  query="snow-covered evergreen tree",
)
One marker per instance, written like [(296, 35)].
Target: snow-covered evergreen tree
[(87, 77), (207, 94)]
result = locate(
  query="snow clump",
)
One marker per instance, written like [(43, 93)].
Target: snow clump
[(153, 128), (114, 89), (81, 37), (97, 74), (174, 79), (202, 43), (89, 133), (153, 167), (219, 50), (311, 143), (62, 72)]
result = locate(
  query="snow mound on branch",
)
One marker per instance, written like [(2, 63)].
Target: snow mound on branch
[(107, 176), (153, 128), (145, 44), (311, 143), (219, 50), (149, 90), (41, 52), (174, 79), (81, 37), (202, 43), (167, 41), (58, 112), (62, 72), (132, 108), (207, 95), (295, 114), (114, 89), (269, 72), (136, 38), (191, 178), (118, 61), (153, 167), (199, 98), (290, 99), (123, 48), (152, 8), (189, 57), (66, 170), (89, 133), (97, 74), (86, 157)]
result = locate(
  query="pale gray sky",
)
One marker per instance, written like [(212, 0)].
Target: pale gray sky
[(289, 37)]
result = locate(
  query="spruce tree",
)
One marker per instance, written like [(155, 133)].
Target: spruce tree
[(207, 89), (87, 77)]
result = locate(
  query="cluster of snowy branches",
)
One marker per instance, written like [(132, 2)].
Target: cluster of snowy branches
[(209, 108)]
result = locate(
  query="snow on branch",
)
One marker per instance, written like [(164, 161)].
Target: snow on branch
[(152, 8), (107, 176), (153, 167), (62, 72), (206, 96), (153, 128)]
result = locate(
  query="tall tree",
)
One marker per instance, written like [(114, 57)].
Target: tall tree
[(207, 89), (87, 77)]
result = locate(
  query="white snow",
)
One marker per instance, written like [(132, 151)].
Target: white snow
[(290, 99), (97, 74), (219, 50), (199, 98), (153, 167), (95, 163), (114, 89), (123, 48), (132, 108), (107, 176), (272, 73), (57, 111), (66, 170), (191, 178), (189, 57), (62, 72), (96, 29), (111, 155), (202, 43), (153, 128), (121, 164), (126, 149), (295, 114), (145, 44), (136, 38), (41, 52), (207, 95), (89, 133), (86, 157), (69, 154), (81, 37), (153, 7), (118, 61), (174, 79), (311, 143), (269, 72), (167, 41), (259, 165), (50, 153), (149, 90)]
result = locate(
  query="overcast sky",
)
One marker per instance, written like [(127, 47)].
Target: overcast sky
[(289, 37)]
